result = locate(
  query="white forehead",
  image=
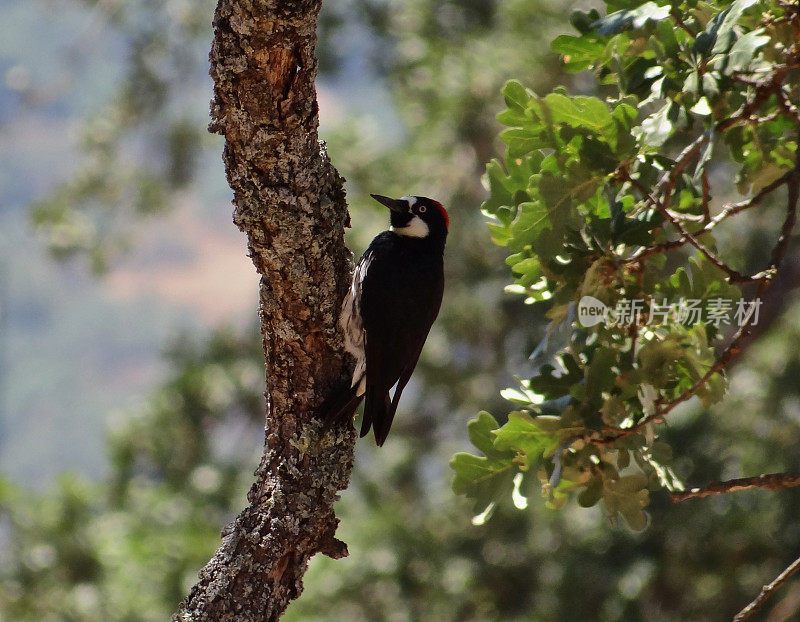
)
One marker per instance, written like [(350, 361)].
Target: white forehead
[(410, 200)]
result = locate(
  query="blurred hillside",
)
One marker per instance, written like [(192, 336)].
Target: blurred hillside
[(85, 350)]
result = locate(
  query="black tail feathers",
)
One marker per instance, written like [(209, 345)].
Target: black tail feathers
[(379, 413), (339, 407)]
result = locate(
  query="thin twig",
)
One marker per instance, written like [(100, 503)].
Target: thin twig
[(787, 107), (733, 275), (689, 217), (791, 211), (669, 180), (735, 208), (706, 196), (771, 481), (682, 24), (728, 210), (766, 591), (763, 89)]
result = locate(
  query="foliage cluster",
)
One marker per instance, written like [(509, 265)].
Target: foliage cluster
[(592, 198)]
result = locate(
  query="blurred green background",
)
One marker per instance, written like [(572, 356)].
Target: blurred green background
[(131, 375)]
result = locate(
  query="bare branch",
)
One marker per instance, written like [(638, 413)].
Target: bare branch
[(735, 208), (771, 481), (667, 185), (729, 210), (733, 275), (789, 109), (766, 591)]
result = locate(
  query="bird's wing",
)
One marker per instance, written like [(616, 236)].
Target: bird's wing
[(396, 326)]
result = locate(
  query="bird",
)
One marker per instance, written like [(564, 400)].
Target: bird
[(388, 311)]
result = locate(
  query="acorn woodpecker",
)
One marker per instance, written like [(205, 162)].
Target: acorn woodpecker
[(390, 307)]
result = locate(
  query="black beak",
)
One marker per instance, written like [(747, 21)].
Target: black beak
[(396, 205)]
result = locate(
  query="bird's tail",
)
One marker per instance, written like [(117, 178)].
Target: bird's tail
[(340, 406), (378, 413)]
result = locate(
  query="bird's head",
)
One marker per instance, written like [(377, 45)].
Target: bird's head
[(416, 217)]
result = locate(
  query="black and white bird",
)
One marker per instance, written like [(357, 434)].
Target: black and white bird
[(393, 300)]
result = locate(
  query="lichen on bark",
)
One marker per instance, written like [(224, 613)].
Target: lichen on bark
[(289, 200)]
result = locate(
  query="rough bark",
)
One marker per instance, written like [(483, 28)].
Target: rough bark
[(289, 200)]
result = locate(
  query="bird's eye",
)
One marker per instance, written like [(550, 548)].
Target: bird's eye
[(422, 209)]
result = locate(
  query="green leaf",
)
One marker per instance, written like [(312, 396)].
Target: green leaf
[(498, 186), (521, 141), (743, 51), (631, 19), (579, 53), (627, 496), (579, 112), (516, 95), (471, 470), (657, 358), (515, 395), (552, 386), (592, 493), (629, 484), (583, 21), (527, 267), (632, 512), (522, 435), (481, 479), (701, 107), (531, 221), (763, 176), (613, 411), (719, 35), (600, 374), (658, 126), (481, 432), (713, 391), (624, 117)]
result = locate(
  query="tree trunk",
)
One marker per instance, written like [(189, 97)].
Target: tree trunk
[(289, 200)]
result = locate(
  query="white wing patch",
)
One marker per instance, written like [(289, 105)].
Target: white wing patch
[(416, 228), (352, 327)]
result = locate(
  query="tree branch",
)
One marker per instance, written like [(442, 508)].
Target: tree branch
[(792, 197), (289, 200), (766, 591), (772, 481), (728, 210)]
